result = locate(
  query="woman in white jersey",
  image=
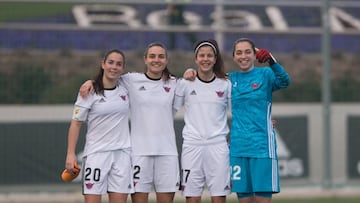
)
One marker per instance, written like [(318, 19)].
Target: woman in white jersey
[(106, 163), (205, 152), (154, 151)]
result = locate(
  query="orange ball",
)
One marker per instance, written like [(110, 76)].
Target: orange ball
[(68, 176)]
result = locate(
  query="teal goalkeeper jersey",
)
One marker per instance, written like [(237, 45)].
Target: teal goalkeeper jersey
[(252, 133)]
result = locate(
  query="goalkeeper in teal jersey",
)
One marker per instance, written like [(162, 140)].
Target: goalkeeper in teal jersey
[(253, 157)]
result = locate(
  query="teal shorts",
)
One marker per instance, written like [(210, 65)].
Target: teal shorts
[(254, 175), (258, 194)]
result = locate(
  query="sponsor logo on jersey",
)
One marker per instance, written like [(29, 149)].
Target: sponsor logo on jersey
[(193, 92), (142, 88), (123, 97)]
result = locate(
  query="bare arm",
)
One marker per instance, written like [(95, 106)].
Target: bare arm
[(190, 74), (86, 88), (73, 136)]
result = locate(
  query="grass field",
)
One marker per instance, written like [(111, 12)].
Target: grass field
[(320, 200), (295, 196), (179, 199)]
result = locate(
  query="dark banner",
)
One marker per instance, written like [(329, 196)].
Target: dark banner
[(292, 146), (34, 153), (353, 143)]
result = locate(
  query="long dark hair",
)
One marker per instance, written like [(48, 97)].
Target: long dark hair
[(218, 68), (98, 78), (166, 73)]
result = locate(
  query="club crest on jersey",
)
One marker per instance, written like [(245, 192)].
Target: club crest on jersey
[(220, 93), (193, 92), (142, 88), (123, 97), (167, 89), (254, 86)]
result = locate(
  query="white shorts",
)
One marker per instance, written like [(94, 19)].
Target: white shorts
[(108, 172), (205, 165), (159, 173)]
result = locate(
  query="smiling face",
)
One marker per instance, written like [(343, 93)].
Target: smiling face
[(155, 61), (244, 56), (113, 66), (205, 59)]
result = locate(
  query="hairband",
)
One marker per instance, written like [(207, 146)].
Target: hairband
[(203, 44)]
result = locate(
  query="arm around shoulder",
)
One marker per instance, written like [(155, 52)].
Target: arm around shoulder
[(86, 88)]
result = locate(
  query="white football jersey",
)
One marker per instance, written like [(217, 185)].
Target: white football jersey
[(206, 106), (107, 119), (151, 114)]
